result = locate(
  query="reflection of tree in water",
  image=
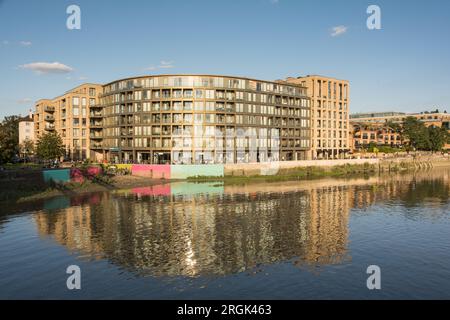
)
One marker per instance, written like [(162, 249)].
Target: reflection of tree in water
[(419, 191)]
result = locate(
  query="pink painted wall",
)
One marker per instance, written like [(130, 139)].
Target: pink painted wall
[(94, 171), (152, 171), (76, 175)]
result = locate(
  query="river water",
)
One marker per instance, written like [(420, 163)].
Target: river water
[(289, 240)]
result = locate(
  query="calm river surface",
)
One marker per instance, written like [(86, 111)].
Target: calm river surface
[(290, 240)]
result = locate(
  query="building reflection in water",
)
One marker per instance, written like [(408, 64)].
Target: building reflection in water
[(215, 230)]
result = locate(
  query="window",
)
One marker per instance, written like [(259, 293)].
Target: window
[(199, 106), (187, 117), (155, 106), (209, 118), (198, 118), (198, 94), (209, 94), (187, 105), (177, 106)]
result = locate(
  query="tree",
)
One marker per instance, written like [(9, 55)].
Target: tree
[(49, 146), (417, 134), (394, 126), (397, 128), (439, 136), (26, 148), (9, 138)]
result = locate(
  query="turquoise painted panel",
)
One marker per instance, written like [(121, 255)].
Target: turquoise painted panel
[(59, 175), (193, 188), (205, 170)]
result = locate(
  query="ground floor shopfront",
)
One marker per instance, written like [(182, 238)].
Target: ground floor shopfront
[(164, 156)]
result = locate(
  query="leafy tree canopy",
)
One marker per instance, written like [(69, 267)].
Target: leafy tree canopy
[(9, 138), (49, 146)]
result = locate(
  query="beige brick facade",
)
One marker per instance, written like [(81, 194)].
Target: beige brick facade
[(330, 100), (72, 116)]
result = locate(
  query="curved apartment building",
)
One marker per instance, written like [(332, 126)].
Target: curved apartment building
[(199, 119)]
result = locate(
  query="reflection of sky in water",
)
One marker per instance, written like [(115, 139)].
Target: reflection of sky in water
[(194, 236)]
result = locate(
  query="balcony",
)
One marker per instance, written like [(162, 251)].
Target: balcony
[(49, 109), (49, 118), (50, 127), (96, 124), (96, 146), (95, 136), (96, 114)]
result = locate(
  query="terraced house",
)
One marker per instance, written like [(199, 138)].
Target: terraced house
[(195, 119)]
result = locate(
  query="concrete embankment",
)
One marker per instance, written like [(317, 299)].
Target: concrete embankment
[(273, 168), (414, 162), (374, 164)]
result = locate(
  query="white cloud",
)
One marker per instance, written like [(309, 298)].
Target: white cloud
[(25, 43), (166, 65), (24, 101), (47, 67), (338, 30), (162, 65)]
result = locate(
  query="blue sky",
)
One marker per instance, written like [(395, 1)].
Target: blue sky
[(404, 67)]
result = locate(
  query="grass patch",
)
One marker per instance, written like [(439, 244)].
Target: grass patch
[(301, 173)]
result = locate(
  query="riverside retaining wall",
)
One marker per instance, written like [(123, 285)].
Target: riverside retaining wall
[(70, 174), (271, 168)]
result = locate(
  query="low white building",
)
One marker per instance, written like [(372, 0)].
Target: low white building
[(26, 128)]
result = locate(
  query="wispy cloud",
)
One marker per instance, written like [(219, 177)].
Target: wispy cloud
[(166, 65), (274, 1), (24, 101), (162, 65), (22, 43), (338, 30), (47, 67)]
